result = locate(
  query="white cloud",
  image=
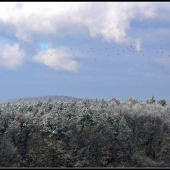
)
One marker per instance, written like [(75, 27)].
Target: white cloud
[(11, 56), (57, 59), (138, 46), (110, 19)]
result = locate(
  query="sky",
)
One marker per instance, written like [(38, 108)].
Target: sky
[(85, 50)]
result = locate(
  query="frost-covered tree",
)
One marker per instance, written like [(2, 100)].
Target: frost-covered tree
[(162, 102), (151, 101)]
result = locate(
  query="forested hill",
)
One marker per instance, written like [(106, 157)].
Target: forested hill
[(43, 99)]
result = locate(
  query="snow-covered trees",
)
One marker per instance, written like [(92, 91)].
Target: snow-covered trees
[(116, 125)]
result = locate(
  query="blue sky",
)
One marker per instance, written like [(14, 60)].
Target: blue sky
[(85, 49)]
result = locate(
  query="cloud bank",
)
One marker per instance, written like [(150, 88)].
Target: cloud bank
[(111, 20), (37, 21)]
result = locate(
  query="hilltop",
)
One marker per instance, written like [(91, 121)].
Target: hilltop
[(43, 99)]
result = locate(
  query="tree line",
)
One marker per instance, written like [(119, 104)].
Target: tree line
[(88, 133)]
